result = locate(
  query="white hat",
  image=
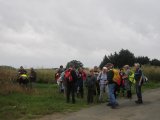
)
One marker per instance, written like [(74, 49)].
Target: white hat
[(105, 68)]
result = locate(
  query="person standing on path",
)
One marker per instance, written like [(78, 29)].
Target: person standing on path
[(139, 82), (71, 78), (102, 78), (112, 86), (128, 83), (97, 89), (91, 85)]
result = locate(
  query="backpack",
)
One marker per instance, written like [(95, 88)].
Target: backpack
[(116, 77), (68, 75), (144, 78)]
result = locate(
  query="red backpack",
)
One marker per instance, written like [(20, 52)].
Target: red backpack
[(68, 75)]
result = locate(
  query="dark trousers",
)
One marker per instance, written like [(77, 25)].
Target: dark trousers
[(90, 95), (71, 91), (97, 89), (80, 91), (138, 91)]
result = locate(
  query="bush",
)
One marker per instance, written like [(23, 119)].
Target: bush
[(152, 72), (45, 75)]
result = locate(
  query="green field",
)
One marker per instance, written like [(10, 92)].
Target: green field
[(43, 99)]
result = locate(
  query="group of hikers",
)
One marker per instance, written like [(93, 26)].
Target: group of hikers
[(108, 81)]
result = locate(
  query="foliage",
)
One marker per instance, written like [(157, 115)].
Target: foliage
[(75, 63), (119, 59), (125, 57), (155, 62), (142, 60), (104, 62), (45, 75)]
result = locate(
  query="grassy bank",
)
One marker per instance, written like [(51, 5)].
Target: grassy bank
[(42, 100)]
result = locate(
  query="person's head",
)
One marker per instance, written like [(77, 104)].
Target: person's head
[(61, 66), (95, 69), (126, 67), (21, 67), (109, 66), (105, 69), (137, 66), (32, 69), (91, 71), (80, 69)]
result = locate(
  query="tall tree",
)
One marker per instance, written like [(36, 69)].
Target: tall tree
[(77, 64), (142, 60), (155, 62), (125, 57), (104, 62)]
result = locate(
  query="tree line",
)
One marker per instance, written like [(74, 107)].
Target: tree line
[(124, 57)]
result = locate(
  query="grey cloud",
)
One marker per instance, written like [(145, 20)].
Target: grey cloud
[(52, 32)]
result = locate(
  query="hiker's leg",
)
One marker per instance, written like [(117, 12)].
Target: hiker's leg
[(68, 92), (111, 92), (107, 91), (81, 91), (101, 93), (88, 96), (73, 93), (139, 93), (91, 95), (98, 88)]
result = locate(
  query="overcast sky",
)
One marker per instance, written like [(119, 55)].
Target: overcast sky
[(48, 33)]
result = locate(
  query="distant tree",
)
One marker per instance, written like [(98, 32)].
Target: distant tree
[(142, 60), (114, 59), (104, 62), (119, 59), (155, 62), (124, 57), (77, 64)]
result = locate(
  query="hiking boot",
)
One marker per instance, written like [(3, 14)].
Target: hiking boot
[(113, 106), (109, 104), (139, 102), (116, 104)]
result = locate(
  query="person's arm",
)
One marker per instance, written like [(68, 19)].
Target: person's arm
[(99, 76), (141, 78)]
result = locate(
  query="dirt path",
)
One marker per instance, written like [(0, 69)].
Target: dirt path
[(127, 110)]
